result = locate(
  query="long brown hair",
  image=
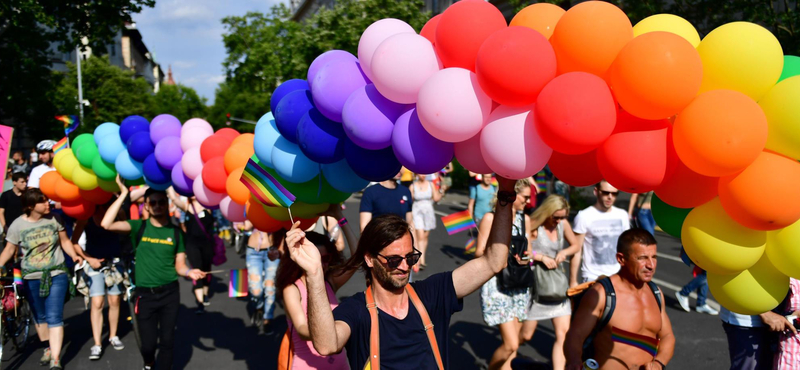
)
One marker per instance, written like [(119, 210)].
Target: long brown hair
[(380, 232), (30, 198), (288, 270)]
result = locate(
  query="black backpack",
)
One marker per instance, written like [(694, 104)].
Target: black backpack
[(139, 235)]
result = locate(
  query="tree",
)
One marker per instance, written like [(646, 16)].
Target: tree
[(178, 100), (267, 49)]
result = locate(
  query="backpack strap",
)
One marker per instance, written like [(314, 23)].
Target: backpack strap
[(426, 320), (656, 292), (611, 304)]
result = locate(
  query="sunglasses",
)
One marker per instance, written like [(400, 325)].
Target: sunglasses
[(607, 193), (559, 218), (411, 259), (160, 202)]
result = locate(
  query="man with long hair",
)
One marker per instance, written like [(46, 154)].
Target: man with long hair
[(413, 318)]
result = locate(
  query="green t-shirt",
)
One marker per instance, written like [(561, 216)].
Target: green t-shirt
[(155, 254)]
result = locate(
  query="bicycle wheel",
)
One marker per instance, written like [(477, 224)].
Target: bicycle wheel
[(21, 326)]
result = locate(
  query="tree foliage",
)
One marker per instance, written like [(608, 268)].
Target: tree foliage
[(178, 100)]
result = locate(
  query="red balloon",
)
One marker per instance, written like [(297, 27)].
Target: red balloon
[(80, 210), (228, 133), (575, 113), (686, 188), (214, 175), (634, 161), (429, 29), (305, 223), (463, 28), (627, 122), (576, 170), (214, 146), (514, 64), (260, 219), (96, 195)]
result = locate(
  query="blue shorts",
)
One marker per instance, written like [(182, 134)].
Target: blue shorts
[(97, 285), (48, 309)]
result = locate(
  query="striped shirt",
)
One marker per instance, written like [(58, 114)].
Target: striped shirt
[(788, 358)]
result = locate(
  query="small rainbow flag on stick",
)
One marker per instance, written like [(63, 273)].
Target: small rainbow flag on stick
[(61, 144), (265, 187), (471, 246), (237, 286), (458, 222), (70, 123), (17, 276)]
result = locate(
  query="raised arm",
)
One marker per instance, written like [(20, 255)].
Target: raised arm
[(470, 276), (176, 200), (484, 229), (109, 223), (583, 322)]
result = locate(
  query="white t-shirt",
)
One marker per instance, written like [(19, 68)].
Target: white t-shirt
[(37, 173), (601, 231)]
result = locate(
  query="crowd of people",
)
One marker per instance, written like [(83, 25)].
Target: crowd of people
[(592, 278)]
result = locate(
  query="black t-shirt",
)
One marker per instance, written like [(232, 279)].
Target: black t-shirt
[(380, 200), (195, 236), (12, 204), (101, 243), (404, 344)]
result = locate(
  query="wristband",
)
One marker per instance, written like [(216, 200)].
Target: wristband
[(343, 221), (663, 367)]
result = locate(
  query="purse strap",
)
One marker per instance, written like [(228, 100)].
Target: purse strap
[(198, 219)]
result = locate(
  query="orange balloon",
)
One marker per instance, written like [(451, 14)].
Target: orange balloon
[(589, 36), (260, 219), (541, 17), (656, 75), (246, 139), (47, 184), (96, 195), (67, 191), (237, 155), (686, 188), (720, 133), (235, 189), (777, 203)]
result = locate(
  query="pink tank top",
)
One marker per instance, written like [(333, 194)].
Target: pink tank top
[(305, 356)]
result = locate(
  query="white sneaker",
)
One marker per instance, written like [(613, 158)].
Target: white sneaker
[(116, 343), (683, 301), (96, 352), (706, 309)]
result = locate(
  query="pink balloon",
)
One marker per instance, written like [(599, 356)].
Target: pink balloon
[(510, 144), (470, 157), (205, 196), (193, 132), (374, 35), (452, 106), (232, 211), (192, 163), (401, 64)]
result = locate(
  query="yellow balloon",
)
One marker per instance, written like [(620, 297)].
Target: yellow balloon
[(66, 166), (84, 178), (61, 154), (741, 56), (719, 244), (783, 251), (750, 292), (668, 23), (782, 107)]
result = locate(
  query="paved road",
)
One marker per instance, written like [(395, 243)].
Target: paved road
[(223, 337)]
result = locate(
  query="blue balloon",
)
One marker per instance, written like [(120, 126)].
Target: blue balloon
[(155, 185), (155, 173), (341, 177), (321, 139), (131, 125), (289, 112), (127, 167), (284, 89), (140, 146), (291, 163), (110, 147), (372, 165), (265, 135), (105, 129)]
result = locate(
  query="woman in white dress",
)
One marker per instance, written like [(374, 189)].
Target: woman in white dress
[(424, 194)]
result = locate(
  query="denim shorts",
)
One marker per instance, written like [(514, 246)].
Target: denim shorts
[(97, 285), (48, 309)]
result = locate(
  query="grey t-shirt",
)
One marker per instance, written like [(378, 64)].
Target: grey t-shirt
[(39, 243)]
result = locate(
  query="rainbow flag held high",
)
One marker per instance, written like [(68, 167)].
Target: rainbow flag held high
[(61, 144), (18, 276), (237, 286), (265, 187), (471, 246), (71, 123), (458, 222)]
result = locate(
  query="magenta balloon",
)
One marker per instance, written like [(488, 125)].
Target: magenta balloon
[(368, 118), (232, 211), (325, 58), (469, 155), (416, 149), (163, 126), (168, 151), (333, 84), (511, 145), (401, 65), (205, 196), (181, 183), (374, 35), (193, 132), (192, 163)]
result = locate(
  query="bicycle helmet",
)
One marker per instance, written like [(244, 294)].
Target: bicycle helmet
[(45, 146)]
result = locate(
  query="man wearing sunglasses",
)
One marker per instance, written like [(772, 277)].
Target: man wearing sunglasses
[(395, 324), (597, 229)]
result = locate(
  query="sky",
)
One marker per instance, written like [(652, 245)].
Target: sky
[(187, 34)]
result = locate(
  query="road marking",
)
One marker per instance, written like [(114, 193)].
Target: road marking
[(669, 257), (676, 288), (440, 213)]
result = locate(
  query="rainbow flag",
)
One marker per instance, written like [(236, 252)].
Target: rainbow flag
[(265, 187), (237, 286), (471, 246), (61, 144), (458, 222), (71, 123), (17, 276), (643, 342)]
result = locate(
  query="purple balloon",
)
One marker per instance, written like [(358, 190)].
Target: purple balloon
[(368, 118), (290, 110), (181, 183), (325, 58), (320, 139), (416, 149), (163, 126), (333, 84), (372, 165), (284, 89), (168, 151), (155, 173)]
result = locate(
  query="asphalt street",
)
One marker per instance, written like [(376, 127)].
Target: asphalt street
[(223, 338)]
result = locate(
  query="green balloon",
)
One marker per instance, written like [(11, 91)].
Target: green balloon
[(791, 67), (109, 186), (103, 169), (311, 192), (669, 218), (87, 153), (80, 140)]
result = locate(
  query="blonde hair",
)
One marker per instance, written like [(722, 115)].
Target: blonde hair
[(551, 205), (518, 187)]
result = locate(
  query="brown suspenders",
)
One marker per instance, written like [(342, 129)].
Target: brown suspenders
[(374, 337)]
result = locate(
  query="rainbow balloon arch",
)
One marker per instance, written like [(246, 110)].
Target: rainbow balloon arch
[(712, 126)]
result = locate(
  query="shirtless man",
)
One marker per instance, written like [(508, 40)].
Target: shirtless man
[(639, 334)]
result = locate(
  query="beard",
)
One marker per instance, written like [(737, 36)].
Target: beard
[(385, 278)]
